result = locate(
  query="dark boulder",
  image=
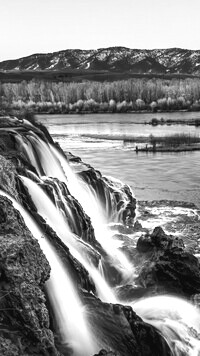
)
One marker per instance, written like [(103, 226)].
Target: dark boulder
[(120, 330), (158, 240), (166, 266), (106, 353)]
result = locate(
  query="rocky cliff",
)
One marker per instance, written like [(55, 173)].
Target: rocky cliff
[(24, 321), (27, 325)]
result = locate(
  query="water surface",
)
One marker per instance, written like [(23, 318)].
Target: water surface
[(98, 140)]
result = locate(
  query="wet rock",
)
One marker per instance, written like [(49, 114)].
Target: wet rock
[(106, 353), (120, 330), (158, 240), (166, 266), (144, 243), (8, 181), (24, 320), (128, 293), (176, 217)]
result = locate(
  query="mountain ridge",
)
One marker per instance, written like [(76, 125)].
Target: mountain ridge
[(116, 59)]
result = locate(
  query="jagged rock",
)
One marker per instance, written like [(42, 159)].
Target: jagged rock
[(166, 266), (8, 177), (177, 217), (158, 240), (122, 331), (24, 320), (106, 353), (144, 243)]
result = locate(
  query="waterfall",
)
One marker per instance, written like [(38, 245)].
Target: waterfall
[(104, 292), (64, 299), (54, 164), (176, 319), (116, 184), (26, 147), (101, 269), (56, 220), (88, 200)]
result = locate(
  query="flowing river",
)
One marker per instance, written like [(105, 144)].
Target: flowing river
[(99, 140)]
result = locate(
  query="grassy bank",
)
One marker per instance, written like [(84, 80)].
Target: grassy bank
[(170, 143), (190, 122)]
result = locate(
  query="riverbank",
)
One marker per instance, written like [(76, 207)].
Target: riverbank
[(58, 110), (182, 148), (169, 143), (162, 121)]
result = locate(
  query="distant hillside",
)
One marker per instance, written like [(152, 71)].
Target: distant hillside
[(112, 59)]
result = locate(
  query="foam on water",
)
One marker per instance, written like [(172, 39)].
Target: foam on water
[(177, 319)]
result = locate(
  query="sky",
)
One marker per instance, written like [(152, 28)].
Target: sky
[(41, 26)]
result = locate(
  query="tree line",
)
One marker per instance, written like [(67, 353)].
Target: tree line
[(118, 96)]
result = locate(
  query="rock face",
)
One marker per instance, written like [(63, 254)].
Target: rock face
[(166, 266), (24, 321), (121, 330), (8, 177), (27, 324)]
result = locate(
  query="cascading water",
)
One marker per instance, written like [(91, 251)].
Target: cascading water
[(116, 184), (60, 197), (64, 299), (84, 194), (57, 221), (55, 165), (176, 319), (26, 147)]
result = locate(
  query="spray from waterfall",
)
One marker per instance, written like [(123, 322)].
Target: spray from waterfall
[(64, 299), (176, 319)]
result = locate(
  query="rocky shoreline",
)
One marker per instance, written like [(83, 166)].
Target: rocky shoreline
[(161, 243)]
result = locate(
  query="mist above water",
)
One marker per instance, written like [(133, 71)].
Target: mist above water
[(176, 319)]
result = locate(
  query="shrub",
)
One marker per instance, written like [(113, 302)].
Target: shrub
[(112, 105), (174, 140), (154, 122), (140, 104), (154, 106)]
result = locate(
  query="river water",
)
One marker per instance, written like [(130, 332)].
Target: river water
[(99, 140)]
